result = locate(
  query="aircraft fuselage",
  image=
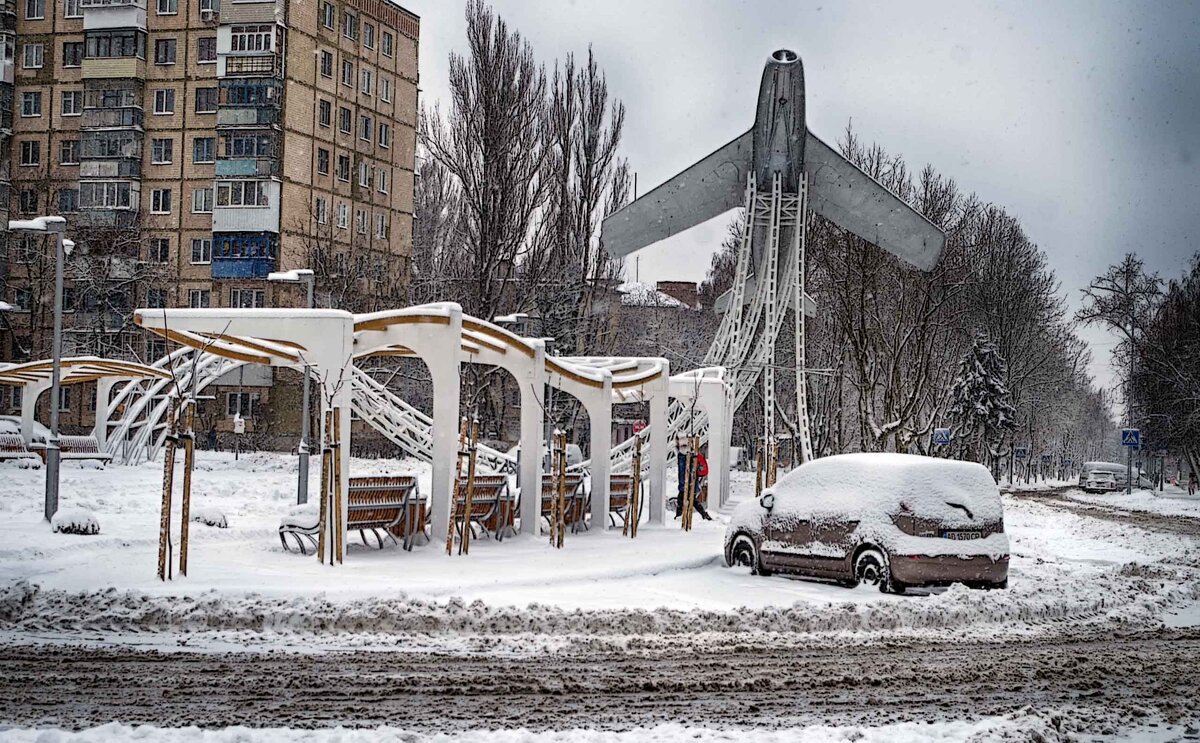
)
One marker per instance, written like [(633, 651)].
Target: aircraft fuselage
[(779, 126)]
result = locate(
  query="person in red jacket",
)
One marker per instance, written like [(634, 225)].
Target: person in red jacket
[(701, 472)]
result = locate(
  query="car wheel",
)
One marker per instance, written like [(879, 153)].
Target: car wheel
[(870, 568), (743, 553)]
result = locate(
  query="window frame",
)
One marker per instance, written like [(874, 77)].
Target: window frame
[(212, 148), (39, 50), (34, 147), (62, 149), (215, 100), (168, 95), (198, 242), (76, 98), (168, 145), (207, 200), (171, 44), (78, 59), (172, 5), (160, 197), (200, 58), (204, 295), (387, 43), (40, 14), (34, 97)]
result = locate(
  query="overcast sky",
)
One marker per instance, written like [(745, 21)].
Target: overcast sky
[(1081, 118)]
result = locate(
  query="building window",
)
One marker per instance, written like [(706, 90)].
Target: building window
[(202, 250), (156, 298), (199, 298), (247, 298), (242, 193), (347, 73), (349, 25), (32, 56), (322, 161), (115, 44), (72, 53), (164, 101), (255, 38), (381, 226), (29, 201), (206, 49), (164, 51), (367, 81), (368, 35), (167, 7), (388, 41), (343, 216), (210, 5), (204, 150), (328, 15), (325, 109), (343, 168), (326, 63), (249, 145), (68, 152), (385, 175), (202, 200), (68, 200), (364, 175), (160, 201), (246, 93), (160, 250), (344, 119), (71, 9), (162, 151), (365, 128), (35, 10), (64, 399), (360, 221), (385, 135), (322, 210), (385, 89), (105, 195), (31, 153), (240, 404), (206, 100), (72, 102), (31, 104)]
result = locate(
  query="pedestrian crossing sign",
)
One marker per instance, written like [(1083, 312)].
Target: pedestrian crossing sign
[(1131, 437)]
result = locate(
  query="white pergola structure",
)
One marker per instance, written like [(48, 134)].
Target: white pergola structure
[(320, 340), (34, 378), (328, 342)]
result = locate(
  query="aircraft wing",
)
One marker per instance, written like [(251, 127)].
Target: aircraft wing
[(854, 201), (712, 186)]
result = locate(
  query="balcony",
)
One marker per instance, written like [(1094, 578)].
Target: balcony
[(114, 67), (247, 116), (246, 255), (263, 167), (248, 65), (98, 14), (107, 169), (112, 118)]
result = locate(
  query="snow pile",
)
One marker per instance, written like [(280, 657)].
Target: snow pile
[(637, 294), (75, 521), (210, 516), (1028, 724), (1167, 503)]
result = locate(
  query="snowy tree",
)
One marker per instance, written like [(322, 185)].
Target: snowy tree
[(981, 408)]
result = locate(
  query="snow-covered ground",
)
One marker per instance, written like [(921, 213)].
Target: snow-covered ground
[(1171, 501), (666, 581)]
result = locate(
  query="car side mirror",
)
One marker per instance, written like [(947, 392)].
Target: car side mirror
[(767, 501)]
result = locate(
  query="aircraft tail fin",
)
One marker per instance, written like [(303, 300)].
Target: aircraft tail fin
[(713, 185), (853, 200)]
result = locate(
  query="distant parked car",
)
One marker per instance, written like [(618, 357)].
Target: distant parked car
[(891, 520), (1119, 473), (1098, 481)]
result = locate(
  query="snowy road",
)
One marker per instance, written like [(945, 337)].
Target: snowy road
[(798, 683)]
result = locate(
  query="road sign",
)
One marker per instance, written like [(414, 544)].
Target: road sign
[(1131, 437), (239, 424), (1021, 452), (639, 426), (941, 437), (1047, 458), (1160, 453)]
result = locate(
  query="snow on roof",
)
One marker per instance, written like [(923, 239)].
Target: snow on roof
[(931, 488), (638, 294)]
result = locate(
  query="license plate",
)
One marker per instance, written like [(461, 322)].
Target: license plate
[(963, 535)]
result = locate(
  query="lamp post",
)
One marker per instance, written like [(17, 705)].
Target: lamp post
[(301, 276), (56, 226)]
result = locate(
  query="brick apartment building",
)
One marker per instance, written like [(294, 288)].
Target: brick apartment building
[(195, 146)]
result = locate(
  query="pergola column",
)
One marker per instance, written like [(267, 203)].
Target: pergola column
[(104, 410), (658, 448), (533, 405), (29, 401), (600, 420)]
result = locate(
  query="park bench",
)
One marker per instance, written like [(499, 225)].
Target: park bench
[(82, 447), (12, 446), (576, 499), (620, 490), (492, 505), (380, 504)]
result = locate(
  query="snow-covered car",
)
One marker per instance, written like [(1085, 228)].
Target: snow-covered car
[(892, 520), (1098, 481)]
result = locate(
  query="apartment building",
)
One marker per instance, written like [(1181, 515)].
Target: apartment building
[(197, 145)]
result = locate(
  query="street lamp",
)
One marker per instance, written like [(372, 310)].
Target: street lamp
[(52, 226), (300, 276)]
